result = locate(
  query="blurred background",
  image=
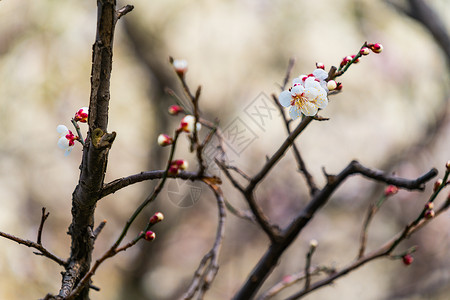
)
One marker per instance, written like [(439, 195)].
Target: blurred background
[(393, 114)]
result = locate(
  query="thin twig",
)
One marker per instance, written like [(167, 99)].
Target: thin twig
[(312, 248), (292, 279), (31, 244), (41, 225), (99, 228), (209, 265)]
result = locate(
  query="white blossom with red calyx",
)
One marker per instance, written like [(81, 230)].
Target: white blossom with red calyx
[(187, 124), (180, 66), (82, 115), (319, 74), (304, 98), (67, 139)]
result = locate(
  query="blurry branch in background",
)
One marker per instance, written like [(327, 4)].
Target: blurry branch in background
[(423, 13)]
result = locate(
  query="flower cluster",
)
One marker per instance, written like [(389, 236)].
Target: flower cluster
[(307, 94), (67, 138)]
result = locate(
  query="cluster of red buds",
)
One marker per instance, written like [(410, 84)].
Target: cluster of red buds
[(365, 50)]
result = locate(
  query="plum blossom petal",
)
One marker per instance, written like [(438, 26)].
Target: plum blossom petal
[(285, 98), (320, 74), (309, 109), (294, 112), (66, 140)]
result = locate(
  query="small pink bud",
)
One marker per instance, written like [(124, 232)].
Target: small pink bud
[(175, 109), (437, 184), (429, 214), (81, 115), (447, 165), (364, 51), (339, 86), (164, 140), (407, 259), (157, 217), (320, 65), (376, 48), (331, 85), (150, 236), (180, 66), (390, 190)]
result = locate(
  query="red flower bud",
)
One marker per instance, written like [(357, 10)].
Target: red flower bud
[(390, 190), (364, 51), (320, 65), (437, 184), (175, 109), (150, 236), (407, 259), (157, 217)]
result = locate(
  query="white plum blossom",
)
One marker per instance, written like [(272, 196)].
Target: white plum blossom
[(67, 139), (306, 96)]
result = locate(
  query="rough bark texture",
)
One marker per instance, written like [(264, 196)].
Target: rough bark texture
[(95, 154)]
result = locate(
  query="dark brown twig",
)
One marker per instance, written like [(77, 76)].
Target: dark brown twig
[(120, 183), (41, 225), (124, 10), (31, 244)]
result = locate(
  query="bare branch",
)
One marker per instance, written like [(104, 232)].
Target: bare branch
[(209, 265), (123, 182), (31, 244)]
